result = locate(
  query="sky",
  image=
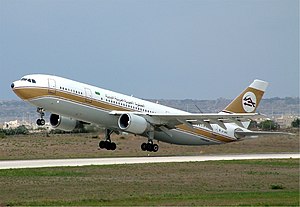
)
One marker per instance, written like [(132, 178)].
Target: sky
[(154, 49)]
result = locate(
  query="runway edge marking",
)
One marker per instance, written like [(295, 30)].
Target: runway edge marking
[(15, 164)]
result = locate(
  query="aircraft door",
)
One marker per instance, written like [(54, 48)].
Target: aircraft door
[(51, 86), (88, 95)]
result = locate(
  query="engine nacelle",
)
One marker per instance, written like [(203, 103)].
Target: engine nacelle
[(133, 123), (63, 123), (233, 131), (237, 135)]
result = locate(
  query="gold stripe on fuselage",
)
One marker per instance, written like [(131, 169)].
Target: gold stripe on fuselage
[(204, 133), (31, 93)]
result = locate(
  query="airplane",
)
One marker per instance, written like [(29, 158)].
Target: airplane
[(72, 104)]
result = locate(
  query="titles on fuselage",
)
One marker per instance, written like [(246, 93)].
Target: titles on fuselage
[(126, 103)]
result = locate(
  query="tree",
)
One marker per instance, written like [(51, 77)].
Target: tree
[(253, 125), (2, 133), (268, 125), (21, 130), (296, 123)]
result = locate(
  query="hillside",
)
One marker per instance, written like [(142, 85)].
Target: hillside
[(12, 109), (272, 106)]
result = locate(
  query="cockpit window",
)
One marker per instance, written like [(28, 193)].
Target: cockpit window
[(28, 79)]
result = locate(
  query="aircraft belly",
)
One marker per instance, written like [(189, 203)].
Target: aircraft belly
[(77, 111), (182, 138), (91, 114)]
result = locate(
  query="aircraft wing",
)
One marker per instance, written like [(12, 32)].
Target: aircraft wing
[(171, 120)]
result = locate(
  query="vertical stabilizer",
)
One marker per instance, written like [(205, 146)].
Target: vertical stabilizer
[(248, 100)]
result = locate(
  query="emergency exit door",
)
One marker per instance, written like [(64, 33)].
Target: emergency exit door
[(51, 86), (88, 95)]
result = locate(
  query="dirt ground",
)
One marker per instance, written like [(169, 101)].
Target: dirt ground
[(86, 145)]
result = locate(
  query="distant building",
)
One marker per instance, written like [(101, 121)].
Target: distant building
[(285, 121), (11, 124), (16, 123)]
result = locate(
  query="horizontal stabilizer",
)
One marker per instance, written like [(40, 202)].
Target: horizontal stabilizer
[(243, 134)]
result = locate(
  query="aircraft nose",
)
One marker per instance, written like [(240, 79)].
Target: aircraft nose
[(12, 85)]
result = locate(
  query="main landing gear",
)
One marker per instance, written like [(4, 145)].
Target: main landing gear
[(150, 147), (41, 121), (107, 144)]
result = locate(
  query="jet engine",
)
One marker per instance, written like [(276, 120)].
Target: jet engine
[(63, 123), (133, 123), (237, 134)]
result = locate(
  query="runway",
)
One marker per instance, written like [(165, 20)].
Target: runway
[(13, 164)]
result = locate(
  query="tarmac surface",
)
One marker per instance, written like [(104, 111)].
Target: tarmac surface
[(13, 164)]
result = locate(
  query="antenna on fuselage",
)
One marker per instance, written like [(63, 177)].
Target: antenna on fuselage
[(199, 109)]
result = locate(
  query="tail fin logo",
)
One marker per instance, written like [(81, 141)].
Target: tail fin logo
[(249, 102)]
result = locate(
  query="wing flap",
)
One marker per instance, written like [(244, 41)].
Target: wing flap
[(205, 123)]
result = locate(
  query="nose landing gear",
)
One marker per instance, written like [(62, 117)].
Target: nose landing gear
[(41, 121)]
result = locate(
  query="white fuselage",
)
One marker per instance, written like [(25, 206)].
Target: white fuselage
[(93, 105)]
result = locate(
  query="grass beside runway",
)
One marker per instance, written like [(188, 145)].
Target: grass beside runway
[(243, 182)]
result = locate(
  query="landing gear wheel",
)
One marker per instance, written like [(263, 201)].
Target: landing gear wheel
[(155, 148), (42, 122), (144, 146), (102, 144), (113, 146), (107, 145), (149, 147)]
